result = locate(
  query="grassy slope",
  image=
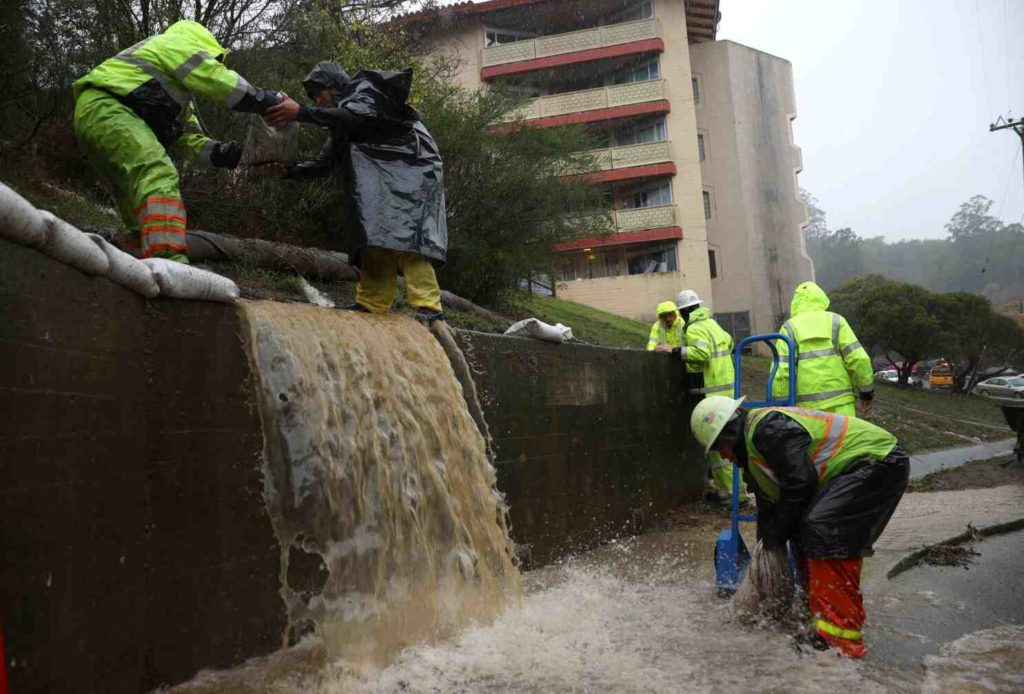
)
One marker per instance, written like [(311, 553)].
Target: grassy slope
[(923, 420), (588, 324), (68, 205)]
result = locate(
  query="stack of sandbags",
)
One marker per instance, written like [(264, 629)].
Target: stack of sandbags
[(766, 590), (22, 223)]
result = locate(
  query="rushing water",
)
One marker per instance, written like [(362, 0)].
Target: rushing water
[(376, 473), (636, 616)]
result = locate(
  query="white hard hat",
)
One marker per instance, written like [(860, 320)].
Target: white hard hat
[(687, 298), (710, 416)]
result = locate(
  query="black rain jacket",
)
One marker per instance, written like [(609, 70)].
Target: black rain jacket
[(392, 170), (843, 518)]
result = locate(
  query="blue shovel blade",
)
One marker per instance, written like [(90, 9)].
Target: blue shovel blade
[(731, 559)]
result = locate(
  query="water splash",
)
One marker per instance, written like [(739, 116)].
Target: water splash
[(377, 483)]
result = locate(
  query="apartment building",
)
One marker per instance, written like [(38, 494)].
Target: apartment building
[(697, 152)]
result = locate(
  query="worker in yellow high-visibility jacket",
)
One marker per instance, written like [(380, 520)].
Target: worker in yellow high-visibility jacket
[(826, 484), (707, 350), (831, 363), (667, 331), (134, 107)]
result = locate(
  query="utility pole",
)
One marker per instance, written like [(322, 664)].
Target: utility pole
[(1008, 124)]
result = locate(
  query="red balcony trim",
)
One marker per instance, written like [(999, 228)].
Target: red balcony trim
[(661, 106), (621, 238), (645, 46), (600, 114), (631, 172)]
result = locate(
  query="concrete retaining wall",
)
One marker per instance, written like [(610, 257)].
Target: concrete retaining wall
[(591, 442), (134, 543)]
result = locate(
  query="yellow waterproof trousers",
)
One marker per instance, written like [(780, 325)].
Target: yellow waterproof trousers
[(378, 280), (142, 178)]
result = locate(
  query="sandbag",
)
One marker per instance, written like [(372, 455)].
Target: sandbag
[(180, 281), (265, 144), (72, 247), (20, 221), (767, 586), (539, 330), (126, 270)]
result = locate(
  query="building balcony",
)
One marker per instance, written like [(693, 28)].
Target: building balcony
[(601, 103), (630, 162), (573, 47), (659, 217)]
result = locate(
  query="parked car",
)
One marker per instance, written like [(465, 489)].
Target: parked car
[(941, 377), (887, 376), (1002, 387)]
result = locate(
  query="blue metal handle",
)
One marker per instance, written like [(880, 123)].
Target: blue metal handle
[(770, 338)]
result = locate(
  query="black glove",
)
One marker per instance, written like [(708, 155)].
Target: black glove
[(226, 155)]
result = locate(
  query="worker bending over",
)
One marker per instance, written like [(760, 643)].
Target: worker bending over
[(132, 108), (825, 482), (707, 352), (393, 178), (667, 331), (831, 364)]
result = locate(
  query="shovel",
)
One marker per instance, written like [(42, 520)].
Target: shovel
[(731, 553)]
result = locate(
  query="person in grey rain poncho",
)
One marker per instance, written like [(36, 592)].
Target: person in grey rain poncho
[(392, 174)]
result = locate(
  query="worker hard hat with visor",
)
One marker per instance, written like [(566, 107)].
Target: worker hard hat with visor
[(710, 417), (687, 299)]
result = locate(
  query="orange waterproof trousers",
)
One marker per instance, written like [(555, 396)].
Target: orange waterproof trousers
[(836, 603)]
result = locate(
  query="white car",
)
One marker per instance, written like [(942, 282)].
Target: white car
[(887, 376), (1002, 387)]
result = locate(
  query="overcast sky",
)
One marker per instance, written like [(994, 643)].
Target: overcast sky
[(894, 100)]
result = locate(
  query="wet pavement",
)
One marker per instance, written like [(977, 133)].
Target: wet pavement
[(916, 612), (921, 465), (927, 518)]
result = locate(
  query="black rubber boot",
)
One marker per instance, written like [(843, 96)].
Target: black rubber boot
[(428, 315)]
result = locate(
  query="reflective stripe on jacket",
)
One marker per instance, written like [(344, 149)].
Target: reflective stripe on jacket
[(660, 335), (831, 363), (709, 351), (186, 61), (836, 441)]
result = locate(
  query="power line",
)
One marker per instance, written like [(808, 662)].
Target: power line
[(1009, 179), (984, 58), (1017, 127), (1007, 63)]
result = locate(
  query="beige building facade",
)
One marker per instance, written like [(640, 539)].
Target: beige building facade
[(698, 158)]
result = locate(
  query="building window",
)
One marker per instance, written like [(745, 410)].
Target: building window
[(701, 147), (642, 10), (650, 259), (649, 196), (652, 131), (696, 90), (712, 263), (707, 204), (643, 73), (567, 269), (499, 37), (736, 324)]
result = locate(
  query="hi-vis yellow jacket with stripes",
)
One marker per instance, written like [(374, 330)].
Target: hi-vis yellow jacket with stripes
[(187, 62), (836, 441), (831, 364), (708, 350)]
